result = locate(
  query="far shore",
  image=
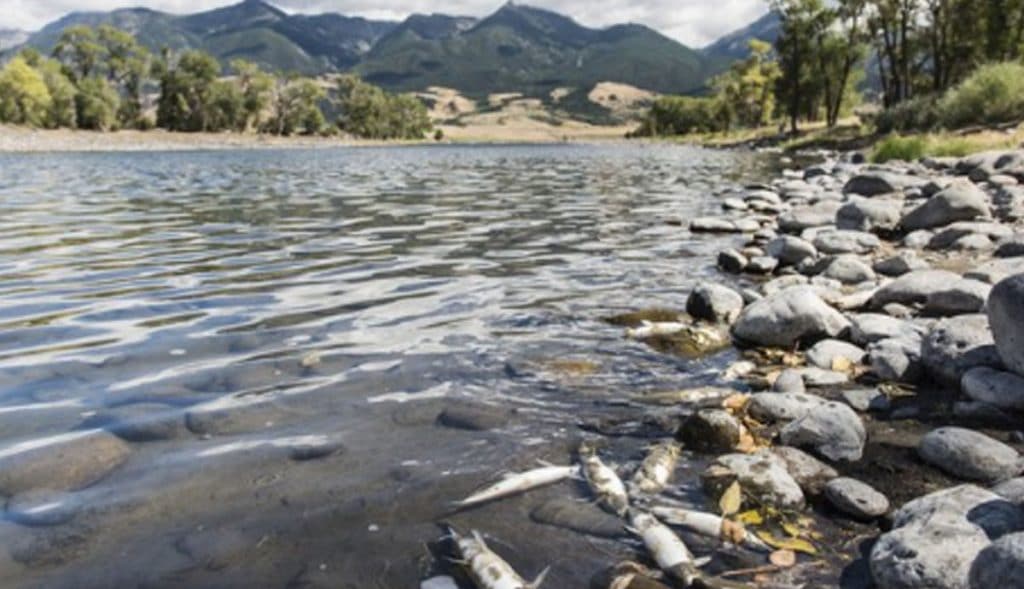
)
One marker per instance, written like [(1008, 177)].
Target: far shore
[(28, 140)]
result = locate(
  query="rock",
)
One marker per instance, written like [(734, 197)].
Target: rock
[(993, 387), (712, 302), (867, 328), (957, 345), (713, 225), (970, 455), (777, 285), (790, 250), (818, 377), (711, 430), (862, 214), (896, 359), (734, 204), (856, 499), (789, 381), (1011, 247), (231, 415), (999, 565), (831, 429), (771, 407), (825, 353), (315, 447), (962, 201), (43, 507), (732, 261), (901, 264), (974, 242), (810, 473), (762, 265), (474, 417), (65, 462), (995, 271), (918, 239), (937, 537), (846, 242), (140, 422), (849, 269), (865, 400), (791, 316), (914, 288), (818, 215), (1012, 490), (584, 518), (877, 182), (959, 298), (762, 475), (1006, 316)]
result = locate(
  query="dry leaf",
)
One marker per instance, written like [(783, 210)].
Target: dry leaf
[(795, 544), (733, 532), (747, 443), (731, 500), (792, 529), (783, 558), (736, 403), (842, 364), (751, 518)]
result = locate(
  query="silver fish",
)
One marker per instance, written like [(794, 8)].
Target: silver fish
[(656, 470), (514, 483), (606, 486), (487, 569)]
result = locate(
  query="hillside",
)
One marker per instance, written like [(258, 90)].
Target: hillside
[(735, 45), (11, 38)]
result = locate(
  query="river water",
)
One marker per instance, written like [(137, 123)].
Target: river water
[(237, 316)]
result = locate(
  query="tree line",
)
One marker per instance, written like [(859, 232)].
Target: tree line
[(919, 56), (101, 79)]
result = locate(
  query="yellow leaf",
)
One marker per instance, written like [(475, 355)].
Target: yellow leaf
[(731, 500), (794, 544), (791, 529), (751, 518), (736, 403), (842, 364)]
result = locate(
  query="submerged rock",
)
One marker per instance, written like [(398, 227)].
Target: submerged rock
[(474, 417), (970, 455), (43, 507), (585, 518), (791, 316), (711, 430), (62, 463)]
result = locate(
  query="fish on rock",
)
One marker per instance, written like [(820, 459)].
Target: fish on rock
[(487, 569), (604, 483), (656, 470), (514, 483)]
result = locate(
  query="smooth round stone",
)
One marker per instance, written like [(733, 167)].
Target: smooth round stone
[(832, 430), (826, 353), (711, 430), (867, 400), (43, 508), (809, 472), (65, 462), (956, 345), (141, 422), (994, 387), (856, 499), (1006, 316), (789, 381), (970, 455), (732, 261), (762, 265), (315, 447)]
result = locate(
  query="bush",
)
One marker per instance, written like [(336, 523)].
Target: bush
[(993, 94), (899, 148), (97, 104), (919, 114), (680, 115), (24, 97)]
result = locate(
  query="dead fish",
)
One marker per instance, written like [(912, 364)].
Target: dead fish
[(629, 575), (514, 483), (711, 526), (688, 396), (606, 486), (648, 329), (671, 554), (487, 569), (656, 470)]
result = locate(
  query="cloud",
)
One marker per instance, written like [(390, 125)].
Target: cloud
[(694, 22)]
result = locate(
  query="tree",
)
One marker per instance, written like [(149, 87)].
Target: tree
[(895, 24), (185, 92), (97, 104), (804, 22), (745, 94), (127, 64), (297, 107), (369, 112), (840, 49), (80, 51), (62, 111), (257, 90), (24, 97)]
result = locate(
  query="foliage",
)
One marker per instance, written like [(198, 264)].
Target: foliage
[(746, 92), (62, 111), (993, 94), (186, 92), (369, 112), (296, 107), (896, 147), (24, 97), (97, 104), (680, 115), (917, 114)]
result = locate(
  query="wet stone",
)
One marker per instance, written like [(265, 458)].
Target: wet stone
[(474, 417), (230, 415), (970, 455), (856, 499), (732, 261), (51, 546), (581, 517), (711, 430), (712, 302), (69, 462), (140, 422), (43, 507)]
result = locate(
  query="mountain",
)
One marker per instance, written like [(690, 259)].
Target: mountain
[(11, 38), (735, 45), (527, 50)]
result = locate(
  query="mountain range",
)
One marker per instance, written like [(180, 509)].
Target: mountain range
[(518, 48)]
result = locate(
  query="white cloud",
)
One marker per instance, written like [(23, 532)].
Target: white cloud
[(694, 22)]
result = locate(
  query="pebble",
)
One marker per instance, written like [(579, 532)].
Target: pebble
[(732, 261), (970, 455), (772, 407), (810, 473), (856, 499), (43, 507), (900, 264), (789, 381), (865, 400), (826, 353), (713, 302), (994, 387), (790, 250)]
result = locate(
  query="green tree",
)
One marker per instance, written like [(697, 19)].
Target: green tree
[(62, 111), (257, 91), (804, 23), (841, 49), (24, 97), (371, 113), (80, 51), (186, 89), (127, 64), (296, 107), (97, 104), (746, 92)]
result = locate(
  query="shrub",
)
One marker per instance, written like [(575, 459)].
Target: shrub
[(895, 147), (680, 115), (24, 97), (992, 94), (919, 114), (97, 104)]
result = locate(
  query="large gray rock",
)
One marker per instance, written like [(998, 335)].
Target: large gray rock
[(713, 302), (790, 250), (810, 473), (789, 381), (1000, 565), (856, 499), (863, 214), (970, 455), (772, 407), (896, 359), (786, 318), (868, 328), (901, 264), (821, 214), (995, 271), (962, 201), (848, 269), (846, 242), (825, 353), (914, 288), (762, 476), (994, 387), (959, 298), (732, 261), (1006, 316), (876, 183), (936, 538), (833, 430), (62, 463), (957, 345), (1011, 247)]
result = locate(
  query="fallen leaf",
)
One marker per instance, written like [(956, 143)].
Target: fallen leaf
[(747, 443), (794, 544), (731, 500), (842, 364), (736, 403), (783, 558), (792, 529), (751, 518)]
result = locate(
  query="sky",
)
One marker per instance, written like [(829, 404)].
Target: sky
[(693, 22)]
